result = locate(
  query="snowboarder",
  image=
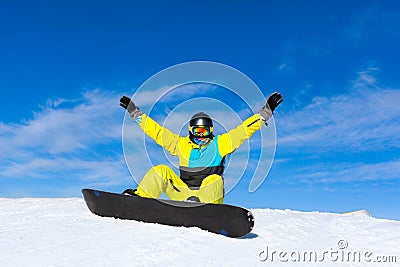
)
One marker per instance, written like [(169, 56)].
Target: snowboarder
[(201, 154)]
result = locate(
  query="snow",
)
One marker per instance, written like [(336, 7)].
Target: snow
[(63, 232)]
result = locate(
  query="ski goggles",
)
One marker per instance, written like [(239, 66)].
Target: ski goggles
[(201, 131)]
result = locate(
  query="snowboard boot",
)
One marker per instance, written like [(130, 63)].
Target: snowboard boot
[(130, 192)]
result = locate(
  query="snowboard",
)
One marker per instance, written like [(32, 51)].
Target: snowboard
[(228, 220)]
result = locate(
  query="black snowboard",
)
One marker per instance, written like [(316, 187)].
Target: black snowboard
[(222, 219)]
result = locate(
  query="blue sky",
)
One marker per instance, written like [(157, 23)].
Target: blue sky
[(65, 64)]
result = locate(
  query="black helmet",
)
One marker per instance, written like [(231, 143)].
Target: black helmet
[(201, 119)]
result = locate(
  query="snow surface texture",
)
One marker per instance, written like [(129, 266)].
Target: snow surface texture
[(63, 232)]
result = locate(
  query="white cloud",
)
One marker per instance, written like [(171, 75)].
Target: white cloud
[(367, 118), (345, 172), (344, 138), (61, 140), (148, 97), (55, 129), (61, 168), (282, 66)]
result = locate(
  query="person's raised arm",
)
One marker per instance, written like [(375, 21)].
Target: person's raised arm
[(162, 136), (233, 139)]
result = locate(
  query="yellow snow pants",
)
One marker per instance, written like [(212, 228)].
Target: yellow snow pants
[(162, 178)]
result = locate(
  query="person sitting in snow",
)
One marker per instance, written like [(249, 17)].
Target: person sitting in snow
[(201, 154)]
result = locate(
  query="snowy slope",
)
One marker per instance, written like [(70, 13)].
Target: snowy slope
[(62, 232)]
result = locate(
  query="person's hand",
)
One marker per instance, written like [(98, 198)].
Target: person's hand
[(273, 101), (132, 109)]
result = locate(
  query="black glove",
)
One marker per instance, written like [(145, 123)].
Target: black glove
[(132, 109), (273, 101)]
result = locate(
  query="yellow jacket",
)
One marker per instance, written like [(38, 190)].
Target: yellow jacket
[(197, 162)]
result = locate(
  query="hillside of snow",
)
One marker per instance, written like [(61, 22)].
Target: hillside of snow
[(63, 232)]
